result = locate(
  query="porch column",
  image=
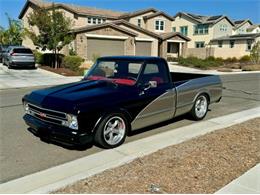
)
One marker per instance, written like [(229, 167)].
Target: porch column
[(180, 49)]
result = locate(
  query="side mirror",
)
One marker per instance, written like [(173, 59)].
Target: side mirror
[(150, 84)]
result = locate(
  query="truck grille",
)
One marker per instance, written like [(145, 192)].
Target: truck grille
[(47, 115)]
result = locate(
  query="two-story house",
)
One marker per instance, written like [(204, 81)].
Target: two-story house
[(201, 29), (216, 36), (105, 32)]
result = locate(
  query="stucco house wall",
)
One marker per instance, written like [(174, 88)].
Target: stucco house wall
[(216, 29)]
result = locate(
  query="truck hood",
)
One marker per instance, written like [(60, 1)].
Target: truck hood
[(66, 97)]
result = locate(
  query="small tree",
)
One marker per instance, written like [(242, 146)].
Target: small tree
[(255, 53), (53, 30), (13, 34)]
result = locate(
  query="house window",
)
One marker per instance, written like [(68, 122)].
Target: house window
[(159, 25), (223, 27), (139, 22), (173, 29), (89, 20), (231, 43), (249, 45), (220, 43), (201, 29), (200, 44), (184, 30), (95, 20)]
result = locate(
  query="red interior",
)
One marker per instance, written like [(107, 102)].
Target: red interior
[(118, 81)]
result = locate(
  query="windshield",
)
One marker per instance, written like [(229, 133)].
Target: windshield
[(120, 72)]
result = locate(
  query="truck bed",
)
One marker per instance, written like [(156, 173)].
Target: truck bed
[(189, 85), (179, 78)]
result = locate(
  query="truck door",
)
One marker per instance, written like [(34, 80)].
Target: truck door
[(157, 93)]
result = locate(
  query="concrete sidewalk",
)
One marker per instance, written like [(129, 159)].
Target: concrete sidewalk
[(71, 172), (248, 183)]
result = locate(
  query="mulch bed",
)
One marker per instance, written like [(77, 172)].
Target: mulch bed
[(201, 165), (61, 71)]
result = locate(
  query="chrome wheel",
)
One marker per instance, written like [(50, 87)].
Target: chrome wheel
[(114, 130), (201, 106)]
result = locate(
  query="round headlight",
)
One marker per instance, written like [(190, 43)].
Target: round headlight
[(26, 107), (72, 121)]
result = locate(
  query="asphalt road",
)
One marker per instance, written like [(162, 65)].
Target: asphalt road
[(21, 153)]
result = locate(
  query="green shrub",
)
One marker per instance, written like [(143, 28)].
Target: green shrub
[(231, 60), (200, 63), (172, 59), (72, 62), (211, 58), (245, 58), (38, 57)]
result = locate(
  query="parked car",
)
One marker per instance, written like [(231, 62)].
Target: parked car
[(118, 95), (20, 57), (3, 49)]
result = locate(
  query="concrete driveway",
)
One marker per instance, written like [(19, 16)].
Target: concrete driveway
[(17, 78), (21, 153)]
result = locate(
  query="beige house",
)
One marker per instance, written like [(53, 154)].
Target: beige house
[(216, 36), (234, 45), (201, 29), (104, 32)]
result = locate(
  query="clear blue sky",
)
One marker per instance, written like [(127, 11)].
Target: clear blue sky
[(235, 9)]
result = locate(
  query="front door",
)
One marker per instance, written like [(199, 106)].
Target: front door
[(159, 100)]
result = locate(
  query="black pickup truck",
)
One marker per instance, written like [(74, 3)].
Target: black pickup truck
[(118, 95)]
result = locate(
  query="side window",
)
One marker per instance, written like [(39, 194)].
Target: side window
[(151, 69), (155, 72), (134, 68)]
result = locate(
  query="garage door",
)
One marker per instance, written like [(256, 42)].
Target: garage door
[(104, 47), (143, 48)]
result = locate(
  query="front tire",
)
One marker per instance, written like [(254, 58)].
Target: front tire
[(200, 107), (112, 131)]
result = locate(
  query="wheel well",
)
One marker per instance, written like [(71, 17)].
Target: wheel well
[(207, 96), (121, 111)]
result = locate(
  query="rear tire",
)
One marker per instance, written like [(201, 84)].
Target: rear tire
[(111, 131), (200, 107)]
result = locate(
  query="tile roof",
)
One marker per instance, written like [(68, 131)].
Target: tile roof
[(99, 26), (202, 19), (81, 10), (158, 14), (136, 13)]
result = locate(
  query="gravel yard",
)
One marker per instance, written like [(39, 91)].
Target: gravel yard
[(201, 165)]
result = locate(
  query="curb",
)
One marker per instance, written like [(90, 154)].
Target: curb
[(248, 183), (60, 176)]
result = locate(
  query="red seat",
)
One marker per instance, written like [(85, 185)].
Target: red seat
[(159, 80)]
